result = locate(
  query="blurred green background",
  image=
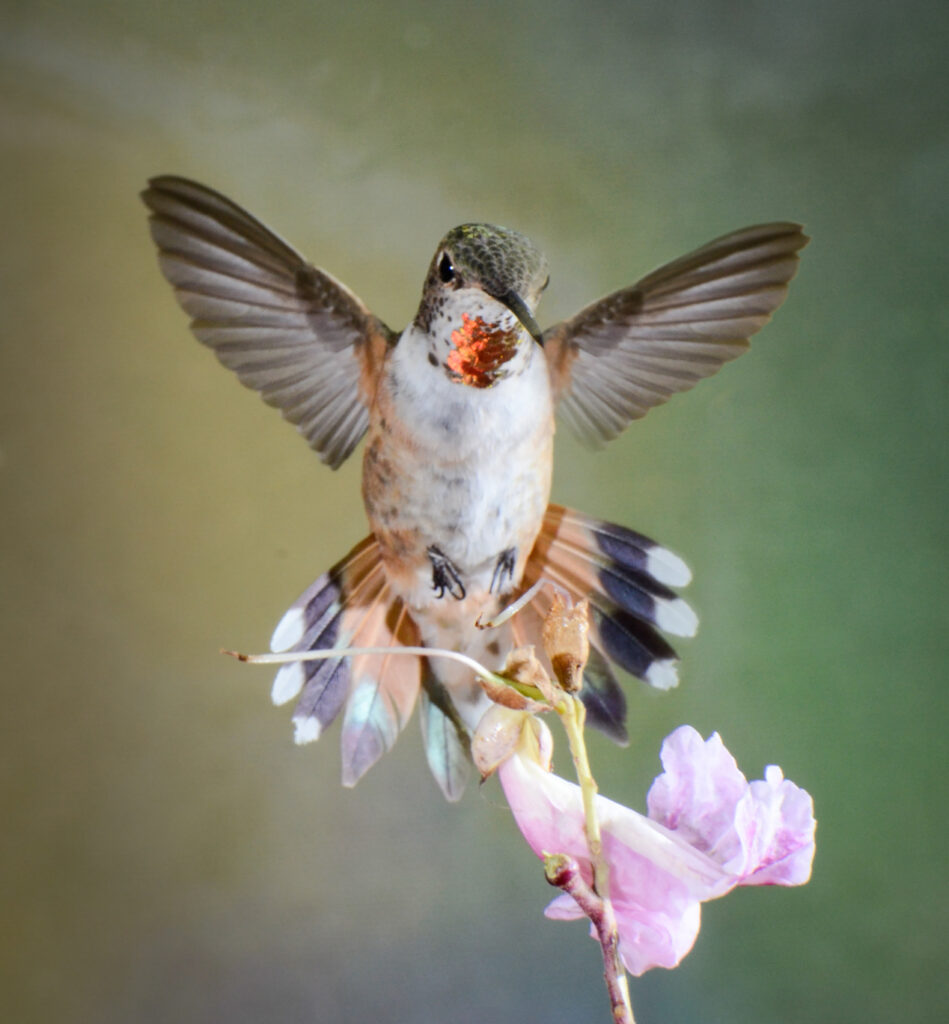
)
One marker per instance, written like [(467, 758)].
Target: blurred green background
[(168, 854)]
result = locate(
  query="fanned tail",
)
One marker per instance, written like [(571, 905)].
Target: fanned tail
[(627, 579), (349, 606)]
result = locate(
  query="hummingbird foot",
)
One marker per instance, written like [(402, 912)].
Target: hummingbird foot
[(445, 576), (504, 567)]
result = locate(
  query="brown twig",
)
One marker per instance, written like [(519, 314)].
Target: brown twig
[(564, 872)]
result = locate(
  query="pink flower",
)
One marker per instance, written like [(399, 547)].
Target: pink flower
[(708, 830)]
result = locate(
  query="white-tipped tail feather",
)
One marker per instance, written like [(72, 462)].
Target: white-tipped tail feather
[(666, 567), (663, 675)]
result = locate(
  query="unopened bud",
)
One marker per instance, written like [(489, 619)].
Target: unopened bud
[(560, 870), (566, 636), (496, 738), (502, 731)]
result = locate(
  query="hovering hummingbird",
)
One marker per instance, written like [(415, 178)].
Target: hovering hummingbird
[(458, 414)]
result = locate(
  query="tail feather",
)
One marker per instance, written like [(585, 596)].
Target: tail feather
[(315, 620), (327, 684), (619, 544), (349, 606), (604, 698), (635, 647), (447, 748), (526, 625), (623, 637), (627, 579), (322, 701), (384, 688), (594, 556), (308, 609)]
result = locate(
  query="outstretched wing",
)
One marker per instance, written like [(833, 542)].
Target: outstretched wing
[(619, 357), (286, 328)]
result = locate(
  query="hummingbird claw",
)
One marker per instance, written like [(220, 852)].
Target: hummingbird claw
[(445, 577), (503, 567)]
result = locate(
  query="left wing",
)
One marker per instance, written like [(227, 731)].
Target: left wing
[(634, 349), (286, 328)]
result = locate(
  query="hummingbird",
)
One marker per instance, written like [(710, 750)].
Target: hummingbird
[(458, 415)]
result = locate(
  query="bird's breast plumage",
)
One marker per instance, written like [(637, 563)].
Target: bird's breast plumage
[(463, 469)]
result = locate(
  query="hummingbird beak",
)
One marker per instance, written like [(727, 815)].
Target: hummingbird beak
[(520, 309)]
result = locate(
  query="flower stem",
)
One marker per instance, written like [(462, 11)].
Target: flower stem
[(564, 872), (573, 715), (599, 909)]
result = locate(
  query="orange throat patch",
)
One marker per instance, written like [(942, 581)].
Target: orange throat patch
[(481, 349)]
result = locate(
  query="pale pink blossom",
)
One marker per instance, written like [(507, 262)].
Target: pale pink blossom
[(708, 831)]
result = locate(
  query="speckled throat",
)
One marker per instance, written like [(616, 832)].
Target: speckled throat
[(481, 351)]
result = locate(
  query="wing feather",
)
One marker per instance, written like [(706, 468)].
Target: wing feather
[(634, 349), (287, 329)]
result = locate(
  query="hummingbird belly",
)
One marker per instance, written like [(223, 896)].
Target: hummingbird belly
[(456, 480)]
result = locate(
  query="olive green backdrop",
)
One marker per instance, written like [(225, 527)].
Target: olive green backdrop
[(167, 853)]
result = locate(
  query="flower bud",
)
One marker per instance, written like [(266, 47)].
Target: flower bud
[(496, 737), (501, 731), (566, 636)]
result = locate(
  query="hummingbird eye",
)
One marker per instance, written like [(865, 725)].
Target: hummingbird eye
[(446, 270)]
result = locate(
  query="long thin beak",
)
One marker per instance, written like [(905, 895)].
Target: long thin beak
[(520, 309)]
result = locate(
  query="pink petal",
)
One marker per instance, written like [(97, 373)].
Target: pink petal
[(657, 879), (548, 810), (549, 813), (698, 792), (655, 939), (563, 908), (648, 938), (776, 823), (762, 833), (708, 831)]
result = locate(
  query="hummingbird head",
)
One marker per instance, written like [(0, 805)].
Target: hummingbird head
[(480, 293)]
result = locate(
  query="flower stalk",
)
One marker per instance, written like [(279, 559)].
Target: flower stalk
[(564, 871)]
